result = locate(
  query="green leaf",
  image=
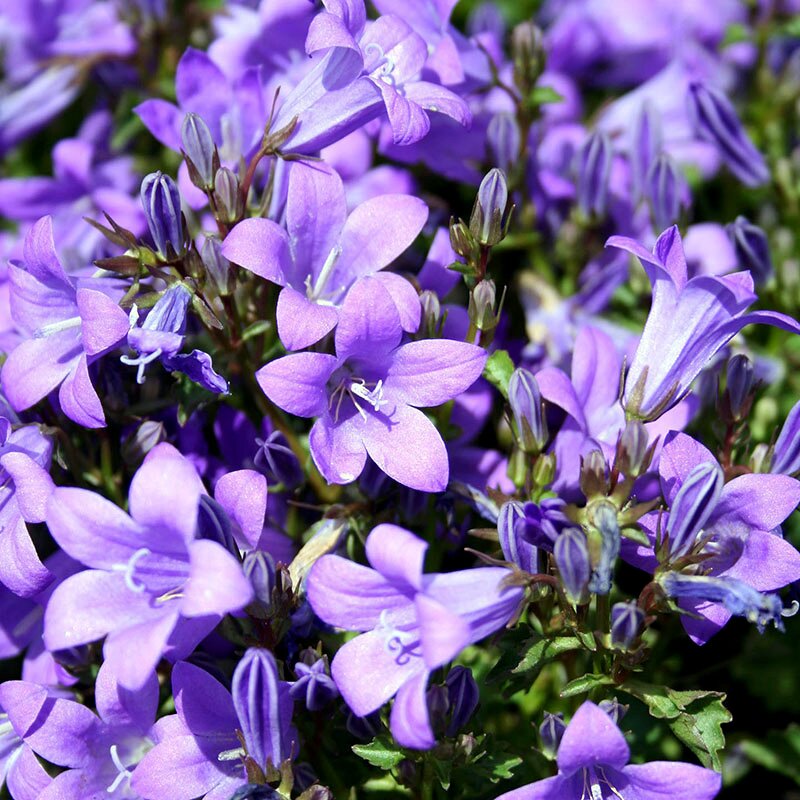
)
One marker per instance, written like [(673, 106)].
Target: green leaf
[(519, 674), (257, 328), (736, 33), (498, 369), (502, 766), (585, 684), (779, 752), (695, 717), (443, 769), (542, 95), (380, 752)]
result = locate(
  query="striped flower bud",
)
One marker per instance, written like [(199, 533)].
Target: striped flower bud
[(161, 202), (693, 505), (572, 559)]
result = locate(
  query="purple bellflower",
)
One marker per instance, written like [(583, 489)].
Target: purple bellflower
[(593, 762), (99, 751), (67, 325), (732, 526), (786, 457), (369, 69), (152, 587), (161, 336), (366, 397), (323, 251), (690, 320), (200, 743), (411, 624)]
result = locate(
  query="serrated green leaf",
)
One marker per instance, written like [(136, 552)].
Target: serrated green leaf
[(585, 684), (695, 717), (539, 653), (503, 767), (498, 369), (380, 752)]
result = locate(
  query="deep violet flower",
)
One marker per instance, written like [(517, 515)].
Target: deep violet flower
[(200, 742), (411, 624), (593, 762), (366, 397), (323, 251), (67, 325), (689, 321), (152, 587), (733, 527)]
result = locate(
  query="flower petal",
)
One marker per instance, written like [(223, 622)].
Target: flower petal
[(409, 722), (591, 739), (663, 780), (297, 383), (302, 322), (398, 555), (337, 449), (216, 582), (261, 246)]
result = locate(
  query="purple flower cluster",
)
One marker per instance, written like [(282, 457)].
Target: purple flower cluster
[(307, 467)]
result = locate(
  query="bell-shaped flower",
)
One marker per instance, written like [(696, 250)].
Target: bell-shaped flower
[(367, 396), (67, 324), (730, 532), (200, 743), (161, 336), (100, 751), (152, 588), (690, 320), (593, 763), (370, 68), (411, 624), (323, 251), (20, 771)]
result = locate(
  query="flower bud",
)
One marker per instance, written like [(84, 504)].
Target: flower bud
[(161, 202), (626, 624), (227, 195), (604, 544), (431, 313), (264, 708), (572, 559), (481, 306), (633, 455), (646, 145), (136, 446), (551, 731), (594, 170), (614, 709), (737, 398), (486, 223), (259, 569), (716, 121), (463, 696), (462, 241), (438, 705), (751, 248), (666, 190), (527, 55), (693, 505), (217, 266), (515, 549), (593, 475), (199, 150), (314, 685), (277, 461), (503, 140), (786, 458), (526, 408)]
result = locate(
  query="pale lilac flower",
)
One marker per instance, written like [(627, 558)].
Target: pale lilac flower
[(367, 396), (411, 624)]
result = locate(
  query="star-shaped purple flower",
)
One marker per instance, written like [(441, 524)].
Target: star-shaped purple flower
[(593, 762), (411, 623), (367, 396)]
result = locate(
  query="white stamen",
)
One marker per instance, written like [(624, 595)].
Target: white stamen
[(231, 755), (129, 570), (57, 327), (124, 772), (325, 273), (375, 397)]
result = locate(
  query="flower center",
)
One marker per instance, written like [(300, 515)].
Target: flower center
[(129, 570), (359, 391), (383, 69), (401, 641), (594, 778)]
